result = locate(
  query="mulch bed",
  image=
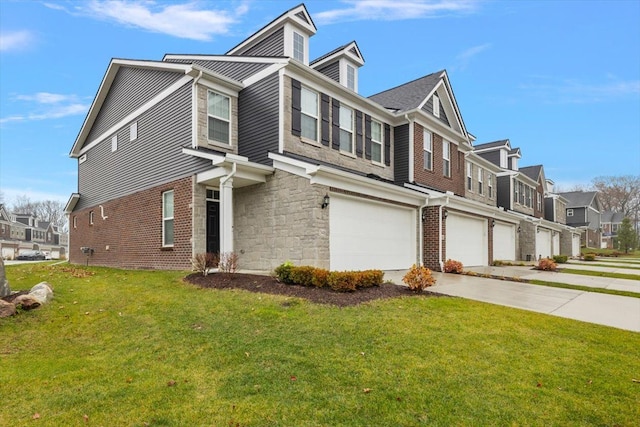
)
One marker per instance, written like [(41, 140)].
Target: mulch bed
[(269, 285)]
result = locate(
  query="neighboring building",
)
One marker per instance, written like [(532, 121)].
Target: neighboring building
[(610, 222), (267, 154), (23, 231), (583, 212)]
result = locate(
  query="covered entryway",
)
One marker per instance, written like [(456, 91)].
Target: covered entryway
[(366, 234), (466, 239), (504, 242), (543, 243)]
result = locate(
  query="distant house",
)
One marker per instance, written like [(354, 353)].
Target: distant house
[(23, 231), (584, 213), (610, 221)]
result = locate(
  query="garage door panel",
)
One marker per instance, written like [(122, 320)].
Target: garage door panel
[(543, 243), (504, 242), (371, 235), (466, 239)]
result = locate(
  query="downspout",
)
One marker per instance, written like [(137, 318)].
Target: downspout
[(223, 218), (234, 169), (194, 125), (421, 239)]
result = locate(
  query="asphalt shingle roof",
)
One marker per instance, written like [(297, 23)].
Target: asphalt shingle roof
[(532, 172), (408, 96), (579, 199)]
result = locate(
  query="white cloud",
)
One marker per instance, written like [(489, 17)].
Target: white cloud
[(189, 20), (48, 106), (390, 10), (466, 56), (575, 92), (15, 40)]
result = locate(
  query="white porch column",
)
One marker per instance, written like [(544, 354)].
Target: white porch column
[(226, 215)]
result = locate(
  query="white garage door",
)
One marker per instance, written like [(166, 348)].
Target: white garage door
[(467, 239), (371, 235), (575, 245), (556, 243), (504, 242), (543, 243)]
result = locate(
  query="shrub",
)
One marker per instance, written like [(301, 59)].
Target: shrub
[(418, 278), (452, 266), (560, 259), (320, 278), (370, 278), (546, 264), (342, 281), (228, 262), (302, 275), (589, 257), (203, 262), (283, 272)]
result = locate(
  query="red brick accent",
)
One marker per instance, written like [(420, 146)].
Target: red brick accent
[(435, 178), (431, 237), (133, 231)]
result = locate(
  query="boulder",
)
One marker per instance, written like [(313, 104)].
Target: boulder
[(42, 292), (27, 302), (4, 283), (7, 309)]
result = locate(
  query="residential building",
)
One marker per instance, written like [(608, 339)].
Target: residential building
[(24, 231), (610, 222), (584, 213)]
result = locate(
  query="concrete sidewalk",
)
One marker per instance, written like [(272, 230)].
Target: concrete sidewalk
[(603, 309)]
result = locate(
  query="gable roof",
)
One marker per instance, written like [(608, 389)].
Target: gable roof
[(612, 217), (487, 146), (532, 172), (579, 199), (349, 50)]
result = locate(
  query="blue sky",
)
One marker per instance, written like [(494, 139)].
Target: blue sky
[(560, 79)]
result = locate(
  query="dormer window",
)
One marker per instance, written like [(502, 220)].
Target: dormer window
[(504, 162), (351, 77), (436, 106), (298, 47)]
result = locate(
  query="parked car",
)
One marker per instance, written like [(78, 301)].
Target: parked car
[(47, 255), (31, 256)]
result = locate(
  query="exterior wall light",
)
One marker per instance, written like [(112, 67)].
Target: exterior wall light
[(325, 201), (493, 223)]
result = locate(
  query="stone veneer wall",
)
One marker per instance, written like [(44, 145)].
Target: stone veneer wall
[(527, 241), (566, 243), (203, 123), (131, 235), (281, 220)]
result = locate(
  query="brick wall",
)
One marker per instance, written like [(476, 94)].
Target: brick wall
[(435, 178), (431, 237), (131, 235)]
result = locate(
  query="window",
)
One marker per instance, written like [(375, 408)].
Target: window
[(351, 77), (539, 201), (309, 116), (114, 143), (376, 141), (91, 218), (167, 218), (133, 131), (298, 47), (346, 129), (516, 199), (530, 197), (614, 228), (490, 185), (480, 189), (427, 145), (218, 112), (469, 174), (569, 212), (436, 106), (504, 162), (446, 159)]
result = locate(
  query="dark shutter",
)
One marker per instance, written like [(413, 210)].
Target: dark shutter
[(296, 90), (387, 145), (367, 137), (335, 135), (326, 126), (358, 133)]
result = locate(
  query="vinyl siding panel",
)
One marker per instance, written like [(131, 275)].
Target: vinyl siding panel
[(131, 88), (504, 192), (234, 70), (428, 107), (154, 158), (332, 71), (258, 123), (401, 159), (492, 156), (271, 46)]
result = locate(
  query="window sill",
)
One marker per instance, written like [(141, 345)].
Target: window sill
[(348, 154), (219, 144), (310, 142), (166, 249)]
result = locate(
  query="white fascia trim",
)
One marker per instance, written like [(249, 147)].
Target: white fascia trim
[(216, 78), (209, 156), (497, 147), (228, 159), (71, 204), (142, 109), (227, 58), (434, 125), (264, 73), (466, 205), (474, 158), (331, 177)]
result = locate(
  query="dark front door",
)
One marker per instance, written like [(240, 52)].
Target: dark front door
[(213, 226)]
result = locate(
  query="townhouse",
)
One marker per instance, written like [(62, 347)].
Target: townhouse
[(24, 231)]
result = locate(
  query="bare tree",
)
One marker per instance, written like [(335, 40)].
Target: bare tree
[(619, 194), (23, 205), (51, 211)]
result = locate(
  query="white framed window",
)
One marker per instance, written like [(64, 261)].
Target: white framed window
[(436, 106), (114, 143), (376, 141), (309, 114), (480, 183), (90, 217), (469, 177), (569, 212), (298, 47), (346, 129), (219, 118), (539, 201), (446, 158), (133, 131), (351, 77), (516, 197), (504, 159), (490, 185), (530, 197), (427, 146), (167, 218)]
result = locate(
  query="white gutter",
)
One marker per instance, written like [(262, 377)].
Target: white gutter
[(234, 169), (194, 110)]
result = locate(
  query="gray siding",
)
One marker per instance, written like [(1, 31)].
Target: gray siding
[(331, 70), (258, 120), (549, 209), (428, 107), (401, 159), (234, 70), (504, 192), (492, 156), (154, 158), (131, 88), (271, 46)]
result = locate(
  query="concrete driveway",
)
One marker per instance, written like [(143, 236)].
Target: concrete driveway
[(603, 309)]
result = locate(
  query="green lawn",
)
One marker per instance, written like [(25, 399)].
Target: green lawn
[(577, 270), (141, 348)]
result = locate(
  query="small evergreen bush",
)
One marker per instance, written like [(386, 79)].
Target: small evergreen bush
[(418, 278), (560, 259)]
